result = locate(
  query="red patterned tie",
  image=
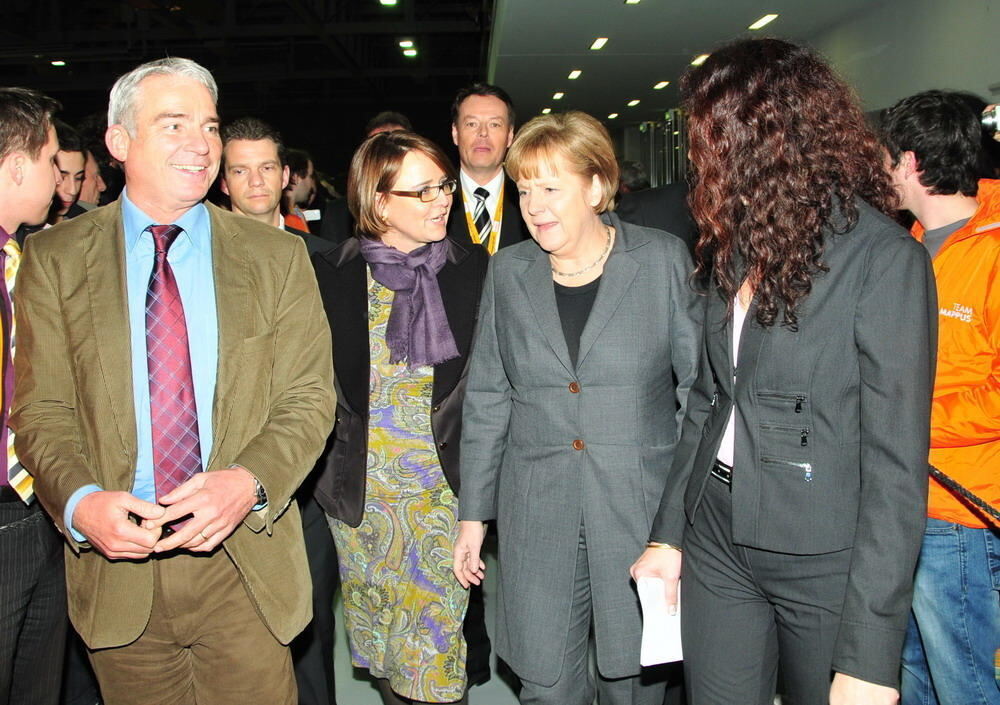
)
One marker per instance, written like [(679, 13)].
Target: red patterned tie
[(176, 448)]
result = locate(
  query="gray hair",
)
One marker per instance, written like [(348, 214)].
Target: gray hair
[(121, 106)]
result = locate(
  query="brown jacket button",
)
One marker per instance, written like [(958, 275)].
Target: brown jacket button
[(574, 387), (578, 444), (443, 445)]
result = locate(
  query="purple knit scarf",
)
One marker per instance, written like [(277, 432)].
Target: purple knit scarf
[(418, 332)]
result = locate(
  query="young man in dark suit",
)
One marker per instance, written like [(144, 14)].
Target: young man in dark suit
[(254, 173), (32, 587)]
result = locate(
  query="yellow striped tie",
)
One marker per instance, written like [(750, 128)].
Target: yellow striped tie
[(19, 478)]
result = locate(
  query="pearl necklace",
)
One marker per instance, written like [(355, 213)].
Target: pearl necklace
[(590, 266)]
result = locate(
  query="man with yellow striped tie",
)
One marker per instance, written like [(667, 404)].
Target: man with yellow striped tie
[(32, 586), (485, 209)]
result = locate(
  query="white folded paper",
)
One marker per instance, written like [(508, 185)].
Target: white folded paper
[(661, 632)]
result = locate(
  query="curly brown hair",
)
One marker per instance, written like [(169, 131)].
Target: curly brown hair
[(781, 153)]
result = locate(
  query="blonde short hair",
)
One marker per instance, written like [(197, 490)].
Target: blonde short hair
[(374, 169), (578, 138)]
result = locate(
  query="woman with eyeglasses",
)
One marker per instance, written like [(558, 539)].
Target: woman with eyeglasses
[(402, 301)]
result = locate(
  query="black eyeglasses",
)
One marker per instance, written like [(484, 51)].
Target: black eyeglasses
[(429, 193)]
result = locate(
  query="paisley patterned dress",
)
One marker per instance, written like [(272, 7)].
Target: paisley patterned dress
[(402, 605)]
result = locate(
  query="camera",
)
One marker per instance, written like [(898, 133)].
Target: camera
[(990, 119)]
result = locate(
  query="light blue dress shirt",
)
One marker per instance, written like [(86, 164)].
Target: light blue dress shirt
[(190, 257)]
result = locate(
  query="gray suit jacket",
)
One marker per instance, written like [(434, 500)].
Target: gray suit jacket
[(832, 430), (547, 448)]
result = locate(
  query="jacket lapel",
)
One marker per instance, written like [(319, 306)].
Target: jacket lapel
[(751, 339), (104, 255), (536, 283), (619, 272), (231, 269), (719, 334)]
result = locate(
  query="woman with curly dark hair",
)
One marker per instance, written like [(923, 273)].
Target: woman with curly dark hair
[(799, 483)]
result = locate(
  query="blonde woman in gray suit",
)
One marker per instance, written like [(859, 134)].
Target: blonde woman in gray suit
[(586, 348)]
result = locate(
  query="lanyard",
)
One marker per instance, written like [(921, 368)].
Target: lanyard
[(493, 240)]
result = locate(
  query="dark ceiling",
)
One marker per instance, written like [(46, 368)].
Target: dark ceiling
[(316, 69)]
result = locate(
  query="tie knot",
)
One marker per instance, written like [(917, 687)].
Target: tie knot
[(164, 236), (481, 193)]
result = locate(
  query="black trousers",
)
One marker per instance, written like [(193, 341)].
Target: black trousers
[(744, 610), (32, 606), (312, 650)]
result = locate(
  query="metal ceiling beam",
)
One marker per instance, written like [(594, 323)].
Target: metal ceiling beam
[(339, 51)]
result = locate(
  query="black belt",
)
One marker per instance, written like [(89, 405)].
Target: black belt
[(722, 472), (8, 494)]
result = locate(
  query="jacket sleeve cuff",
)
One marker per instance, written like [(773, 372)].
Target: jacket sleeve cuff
[(869, 653), (668, 525), (74, 499)]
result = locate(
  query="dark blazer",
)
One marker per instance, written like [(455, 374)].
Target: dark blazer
[(512, 227), (832, 432), (314, 243), (663, 208), (548, 445), (341, 274), (337, 224)]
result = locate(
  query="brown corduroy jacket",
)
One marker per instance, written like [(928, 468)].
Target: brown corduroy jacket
[(74, 411)]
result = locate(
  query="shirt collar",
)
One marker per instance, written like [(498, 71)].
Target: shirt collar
[(194, 222), (469, 185), (4, 237)]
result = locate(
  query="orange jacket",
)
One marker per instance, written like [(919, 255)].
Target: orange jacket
[(965, 417)]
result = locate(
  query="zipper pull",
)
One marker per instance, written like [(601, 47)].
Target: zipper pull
[(798, 403), (804, 436), (715, 398)]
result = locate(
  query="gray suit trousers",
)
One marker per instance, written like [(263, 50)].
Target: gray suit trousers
[(744, 610), (575, 685)]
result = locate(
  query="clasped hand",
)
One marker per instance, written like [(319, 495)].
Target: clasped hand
[(217, 502)]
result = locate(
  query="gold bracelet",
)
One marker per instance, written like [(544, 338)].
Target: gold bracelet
[(657, 544)]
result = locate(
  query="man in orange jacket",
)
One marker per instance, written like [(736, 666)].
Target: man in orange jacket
[(933, 140)]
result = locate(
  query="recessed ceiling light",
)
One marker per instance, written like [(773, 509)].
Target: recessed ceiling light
[(409, 52), (557, 96), (387, 3), (634, 102), (699, 60), (58, 62), (599, 43), (612, 116), (546, 111), (574, 74), (405, 43), (766, 19), (631, 2), (661, 85)]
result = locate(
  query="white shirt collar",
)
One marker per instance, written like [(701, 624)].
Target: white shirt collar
[(469, 186)]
